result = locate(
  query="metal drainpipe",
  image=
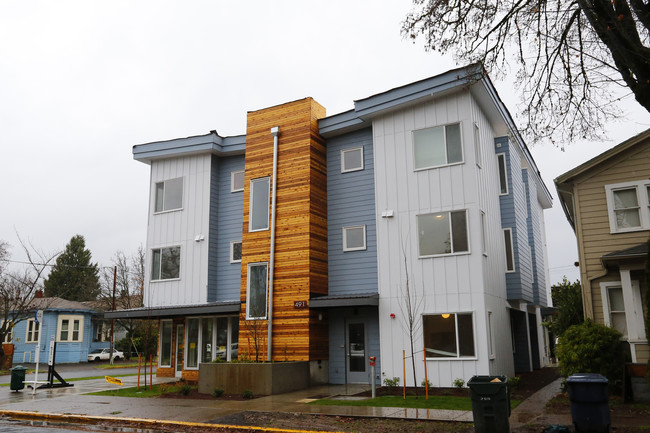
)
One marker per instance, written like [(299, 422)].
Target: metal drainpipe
[(275, 131)]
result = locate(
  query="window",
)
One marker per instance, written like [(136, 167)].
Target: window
[(448, 335), (484, 233), (33, 328), (490, 336), (237, 181), (70, 329), (503, 174), (9, 331), (166, 263), (629, 206), (169, 195), (616, 309), (235, 252), (101, 331), (436, 147), (192, 357), (510, 252), (259, 204), (256, 291), (477, 146), (166, 328), (443, 233), (351, 159), (207, 326), (354, 238)]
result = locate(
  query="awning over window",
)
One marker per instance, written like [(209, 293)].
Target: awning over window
[(175, 311), (639, 252), (356, 300)]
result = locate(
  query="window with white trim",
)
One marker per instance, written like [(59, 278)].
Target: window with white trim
[(509, 248), (169, 195), (614, 306), (166, 331), (484, 234), (192, 353), (437, 146), (448, 335), (490, 337), (257, 289), (351, 159), (628, 205), (503, 174), (101, 331), (443, 233), (165, 263), (70, 329), (33, 328), (477, 147), (259, 204), (237, 181), (235, 252), (354, 238), (9, 331)]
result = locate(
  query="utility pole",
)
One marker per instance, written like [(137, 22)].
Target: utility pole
[(113, 320)]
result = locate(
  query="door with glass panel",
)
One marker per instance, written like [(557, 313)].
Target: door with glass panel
[(356, 353)]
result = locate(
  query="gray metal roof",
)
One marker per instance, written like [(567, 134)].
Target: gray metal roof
[(357, 300), (175, 311), (637, 252)]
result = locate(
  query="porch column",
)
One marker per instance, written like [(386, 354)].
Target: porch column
[(633, 311)]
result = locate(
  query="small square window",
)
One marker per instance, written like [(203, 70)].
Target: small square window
[(437, 147), (235, 252), (351, 159), (354, 238), (237, 181)]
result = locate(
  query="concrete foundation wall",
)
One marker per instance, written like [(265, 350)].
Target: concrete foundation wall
[(261, 379)]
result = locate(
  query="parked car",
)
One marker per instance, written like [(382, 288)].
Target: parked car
[(104, 355), (234, 351)]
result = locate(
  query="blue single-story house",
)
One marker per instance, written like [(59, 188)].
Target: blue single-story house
[(77, 327)]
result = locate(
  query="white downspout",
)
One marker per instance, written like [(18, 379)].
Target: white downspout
[(275, 131)]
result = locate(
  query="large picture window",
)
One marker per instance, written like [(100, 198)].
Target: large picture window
[(256, 291), (438, 146), (166, 329), (259, 204), (628, 205), (448, 335), (165, 263), (70, 329), (442, 233), (169, 195)]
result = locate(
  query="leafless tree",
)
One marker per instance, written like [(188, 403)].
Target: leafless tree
[(19, 286), (255, 330), (573, 58)]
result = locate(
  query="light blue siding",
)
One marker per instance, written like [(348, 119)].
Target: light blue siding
[(535, 240), (338, 318), (226, 216), (65, 352), (351, 202)]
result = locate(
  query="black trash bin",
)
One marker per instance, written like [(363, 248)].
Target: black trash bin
[(490, 404), (17, 378), (589, 402)]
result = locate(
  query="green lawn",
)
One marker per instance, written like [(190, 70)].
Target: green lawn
[(76, 379), (434, 402), (142, 392)]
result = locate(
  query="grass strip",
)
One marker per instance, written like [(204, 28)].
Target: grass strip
[(434, 402), (143, 392), (77, 379)]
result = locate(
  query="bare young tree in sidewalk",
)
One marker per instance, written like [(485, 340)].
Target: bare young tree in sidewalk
[(18, 287), (411, 306)]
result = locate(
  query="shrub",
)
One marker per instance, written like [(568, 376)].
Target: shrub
[(186, 389), (459, 383), (391, 382), (218, 392), (591, 348), (426, 383), (247, 394), (513, 382)]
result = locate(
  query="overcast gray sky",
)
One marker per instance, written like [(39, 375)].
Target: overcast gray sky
[(82, 81)]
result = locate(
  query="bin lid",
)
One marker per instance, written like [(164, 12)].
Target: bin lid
[(587, 378), (487, 379), (19, 367)]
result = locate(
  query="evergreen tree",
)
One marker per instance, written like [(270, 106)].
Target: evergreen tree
[(74, 277), (567, 298)]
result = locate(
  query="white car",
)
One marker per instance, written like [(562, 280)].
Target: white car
[(104, 355)]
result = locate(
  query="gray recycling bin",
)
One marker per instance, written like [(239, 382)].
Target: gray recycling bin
[(17, 378), (490, 404), (589, 402)]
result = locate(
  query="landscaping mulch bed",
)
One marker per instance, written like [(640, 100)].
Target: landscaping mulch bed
[(194, 394)]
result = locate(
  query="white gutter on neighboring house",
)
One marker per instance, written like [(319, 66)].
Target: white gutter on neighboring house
[(275, 131)]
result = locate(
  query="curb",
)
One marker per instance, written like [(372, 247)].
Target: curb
[(91, 419)]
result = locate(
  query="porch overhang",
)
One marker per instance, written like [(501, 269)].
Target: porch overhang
[(357, 300), (638, 253), (175, 311)]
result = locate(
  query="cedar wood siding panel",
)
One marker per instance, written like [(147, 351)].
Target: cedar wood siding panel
[(301, 230), (591, 203), (226, 226), (351, 202)]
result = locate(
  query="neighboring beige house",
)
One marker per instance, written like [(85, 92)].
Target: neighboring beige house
[(607, 202)]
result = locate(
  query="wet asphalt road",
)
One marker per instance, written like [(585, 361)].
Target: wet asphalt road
[(71, 371)]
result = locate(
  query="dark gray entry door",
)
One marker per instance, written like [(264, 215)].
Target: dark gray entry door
[(356, 353)]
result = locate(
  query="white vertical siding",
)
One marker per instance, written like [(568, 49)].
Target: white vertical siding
[(457, 283), (180, 228)]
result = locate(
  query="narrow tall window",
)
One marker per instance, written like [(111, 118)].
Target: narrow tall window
[(33, 329), (259, 204), (235, 252), (192, 360), (442, 233), (257, 291), (503, 174), (617, 309), (237, 181), (169, 195), (354, 238), (484, 233), (510, 254), (438, 146), (490, 336), (351, 159), (477, 146), (207, 325), (166, 328), (165, 263)]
